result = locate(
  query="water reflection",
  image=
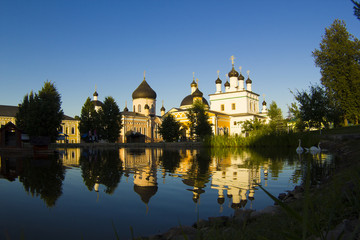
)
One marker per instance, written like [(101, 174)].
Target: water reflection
[(138, 187), (41, 175), (100, 167)]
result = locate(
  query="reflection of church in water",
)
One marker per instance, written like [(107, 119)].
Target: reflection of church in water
[(142, 163), (238, 182)]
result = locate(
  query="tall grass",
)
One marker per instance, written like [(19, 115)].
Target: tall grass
[(264, 139)]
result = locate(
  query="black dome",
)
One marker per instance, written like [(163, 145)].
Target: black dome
[(95, 94), (218, 81), (248, 81), (144, 91), (241, 77), (188, 100), (197, 93), (227, 84), (162, 108), (233, 73)]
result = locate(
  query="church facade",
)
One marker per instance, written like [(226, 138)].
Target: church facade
[(229, 106)]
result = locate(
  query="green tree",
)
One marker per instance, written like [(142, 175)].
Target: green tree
[(253, 125), (110, 120), (89, 118), (314, 107), (339, 61), (170, 128), (41, 114), (276, 118), (356, 9), (199, 121)]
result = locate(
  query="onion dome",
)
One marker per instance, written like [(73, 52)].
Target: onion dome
[(188, 100), (248, 81), (264, 103), (218, 81), (162, 109), (197, 93), (145, 192), (147, 106), (227, 84), (233, 73), (97, 103), (144, 91), (193, 84), (241, 77), (126, 109), (95, 94)]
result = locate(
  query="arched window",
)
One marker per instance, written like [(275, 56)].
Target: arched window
[(134, 109), (139, 108), (72, 130)]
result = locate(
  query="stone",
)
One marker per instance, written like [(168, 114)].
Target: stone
[(268, 210), (282, 196)]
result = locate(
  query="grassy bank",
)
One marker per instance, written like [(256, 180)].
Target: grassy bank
[(280, 139)]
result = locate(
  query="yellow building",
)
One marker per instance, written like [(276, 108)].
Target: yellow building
[(69, 126)]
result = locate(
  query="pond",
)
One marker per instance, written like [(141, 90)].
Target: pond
[(98, 193)]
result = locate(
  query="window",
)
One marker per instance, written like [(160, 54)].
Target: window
[(222, 107), (72, 130), (233, 106), (134, 109), (139, 108)]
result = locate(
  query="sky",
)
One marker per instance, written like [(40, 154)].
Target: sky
[(81, 45)]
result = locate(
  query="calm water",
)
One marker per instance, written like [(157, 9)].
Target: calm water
[(86, 194)]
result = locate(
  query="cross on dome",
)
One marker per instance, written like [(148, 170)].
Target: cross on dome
[(232, 59)]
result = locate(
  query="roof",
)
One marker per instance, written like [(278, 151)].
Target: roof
[(188, 100), (11, 111), (8, 111), (144, 91)]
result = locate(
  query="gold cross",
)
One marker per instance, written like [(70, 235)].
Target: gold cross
[(218, 72), (232, 59)]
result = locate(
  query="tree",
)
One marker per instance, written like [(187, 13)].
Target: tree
[(89, 118), (276, 117), (315, 108), (110, 120), (199, 121), (253, 125), (170, 129), (356, 9), (339, 61), (41, 114)]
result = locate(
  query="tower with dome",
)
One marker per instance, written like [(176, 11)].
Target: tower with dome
[(142, 120)]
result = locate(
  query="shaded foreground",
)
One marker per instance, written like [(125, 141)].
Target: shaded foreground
[(330, 210)]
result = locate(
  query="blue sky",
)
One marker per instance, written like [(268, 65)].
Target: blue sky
[(78, 44)]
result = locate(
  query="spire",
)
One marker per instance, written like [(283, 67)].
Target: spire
[(144, 74), (232, 60)]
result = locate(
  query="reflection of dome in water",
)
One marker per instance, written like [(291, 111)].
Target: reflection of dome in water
[(145, 192), (235, 205), (220, 200)]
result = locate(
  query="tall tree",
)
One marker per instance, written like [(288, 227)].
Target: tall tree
[(89, 118), (276, 117), (356, 9), (199, 120), (41, 114), (170, 128), (339, 61), (110, 120)]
